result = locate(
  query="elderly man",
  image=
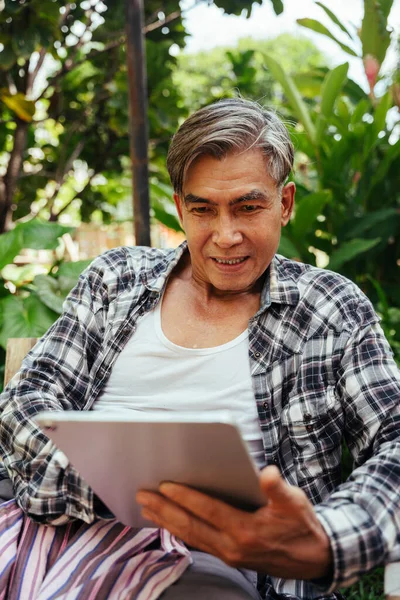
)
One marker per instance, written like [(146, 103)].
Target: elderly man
[(295, 352)]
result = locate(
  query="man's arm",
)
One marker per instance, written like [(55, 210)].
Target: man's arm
[(54, 376), (362, 517)]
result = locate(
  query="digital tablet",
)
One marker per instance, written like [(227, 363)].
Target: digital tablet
[(119, 453)]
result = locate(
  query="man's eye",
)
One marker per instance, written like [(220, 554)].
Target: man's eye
[(200, 210), (249, 207)]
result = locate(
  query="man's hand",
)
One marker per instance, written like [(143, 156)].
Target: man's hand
[(283, 538)]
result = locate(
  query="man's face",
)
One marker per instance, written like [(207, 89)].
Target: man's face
[(232, 214)]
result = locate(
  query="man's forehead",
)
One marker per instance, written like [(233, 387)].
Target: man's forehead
[(247, 170), (248, 196)]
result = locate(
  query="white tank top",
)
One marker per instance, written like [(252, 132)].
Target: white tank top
[(154, 374)]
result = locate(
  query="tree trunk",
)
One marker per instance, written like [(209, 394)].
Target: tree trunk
[(10, 180), (137, 85)]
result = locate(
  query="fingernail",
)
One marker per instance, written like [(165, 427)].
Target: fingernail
[(166, 486)]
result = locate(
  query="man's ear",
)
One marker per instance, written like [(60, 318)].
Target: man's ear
[(287, 202), (178, 204)]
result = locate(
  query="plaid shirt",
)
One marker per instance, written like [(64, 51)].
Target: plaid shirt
[(321, 370)]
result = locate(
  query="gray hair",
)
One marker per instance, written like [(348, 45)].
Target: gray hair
[(230, 126)]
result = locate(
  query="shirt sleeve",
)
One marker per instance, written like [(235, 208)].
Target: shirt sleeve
[(54, 376), (362, 517)]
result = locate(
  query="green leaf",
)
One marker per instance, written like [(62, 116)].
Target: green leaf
[(308, 84), (288, 248), (41, 235), (334, 18), (72, 270), (381, 113), (293, 95), (236, 7), (350, 250), (343, 112), (278, 6), (319, 28), (24, 317), (163, 205), (23, 108), (68, 274), (374, 35), (165, 217), (10, 245), (381, 294), (47, 289), (307, 210), (7, 58), (371, 220), (384, 165), (362, 108), (79, 76), (331, 88)]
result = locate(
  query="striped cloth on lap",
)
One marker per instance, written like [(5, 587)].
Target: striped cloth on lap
[(85, 562)]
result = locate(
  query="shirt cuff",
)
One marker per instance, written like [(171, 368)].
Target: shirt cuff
[(356, 543)]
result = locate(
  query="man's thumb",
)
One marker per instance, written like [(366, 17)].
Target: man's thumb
[(275, 487)]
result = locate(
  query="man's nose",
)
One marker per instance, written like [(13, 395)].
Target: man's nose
[(226, 233)]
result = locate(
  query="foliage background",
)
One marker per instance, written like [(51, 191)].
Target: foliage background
[(64, 147)]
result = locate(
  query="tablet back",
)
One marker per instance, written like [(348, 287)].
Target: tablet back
[(118, 455)]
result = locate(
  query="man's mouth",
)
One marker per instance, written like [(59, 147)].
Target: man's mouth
[(230, 261)]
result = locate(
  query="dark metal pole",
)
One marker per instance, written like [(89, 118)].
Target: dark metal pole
[(137, 84)]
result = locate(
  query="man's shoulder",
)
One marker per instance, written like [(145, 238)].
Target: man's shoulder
[(129, 262), (331, 295), (133, 257), (123, 268), (303, 274)]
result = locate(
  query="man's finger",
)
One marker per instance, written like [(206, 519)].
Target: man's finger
[(213, 511), (192, 530)]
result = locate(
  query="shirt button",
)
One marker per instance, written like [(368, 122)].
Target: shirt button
[(307, 417), (257, 354), (265, 405), (309, 427)]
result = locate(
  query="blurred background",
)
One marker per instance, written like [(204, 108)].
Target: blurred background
[(331, 70)]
